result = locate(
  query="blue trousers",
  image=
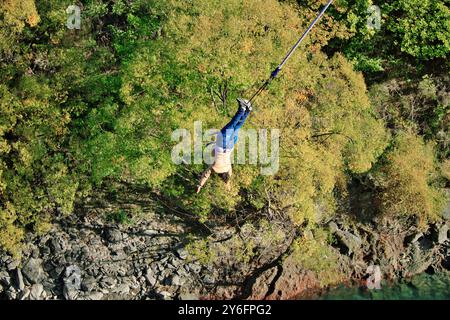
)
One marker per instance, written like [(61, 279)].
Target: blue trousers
[(229, 134)]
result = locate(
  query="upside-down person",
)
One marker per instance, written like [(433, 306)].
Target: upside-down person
[(225, 142)]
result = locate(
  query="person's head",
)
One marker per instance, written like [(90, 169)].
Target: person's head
[(225, 176)]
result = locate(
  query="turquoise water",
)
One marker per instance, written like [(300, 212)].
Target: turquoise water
[(420, 287)]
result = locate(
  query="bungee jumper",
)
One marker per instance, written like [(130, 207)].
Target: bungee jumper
[(228, 136), (225, 142)]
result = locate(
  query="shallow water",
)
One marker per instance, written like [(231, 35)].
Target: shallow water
[(419, 287)]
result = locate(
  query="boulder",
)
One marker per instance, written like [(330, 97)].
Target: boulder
[(95, 296), (11, 294), (150, 277), (292, 281), (12, 264), (113, 235), (150, 232), (58, 244), (122, 289), (352, 242), (33, 270), (5, 279), (187, 296), (176, 281), (25, 294), (208, 279), (439, 233), (72, 282), (442, 234), (194, 267), (182, 253), (36, 291), (420, 260), (260, 288), (88, 284), (19, 280), (108, 282), (164, 295)]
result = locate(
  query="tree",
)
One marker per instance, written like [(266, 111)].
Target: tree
[(407, 180)]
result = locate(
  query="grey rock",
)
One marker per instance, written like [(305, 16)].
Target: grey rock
[(12, 264), (142, 280), (194, 267), (11, 294), (164, 259), (25, 294), (181, 272), (150, 232), (154, 267), (182, 253), (129, 248), (70, 294), (19, 280), (36, 291), (95, 296), (56, 272), (35, 252), (208, 279), (113, 235), (5, 279), (33, 270), (176, 263), (187, 296), (135, 287), (442, 234), (333, 226), (85, 252), (88, 284), (150, 277), (176, 281), (108, 282), (416, 237), (349, 240), (72, 282), (122, 289), (164, 295), (420, 260)]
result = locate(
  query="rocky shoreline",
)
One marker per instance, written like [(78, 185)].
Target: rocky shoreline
[(86, 257)]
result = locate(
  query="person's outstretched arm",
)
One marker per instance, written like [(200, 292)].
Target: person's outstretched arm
[(228, 184), (205, 176)]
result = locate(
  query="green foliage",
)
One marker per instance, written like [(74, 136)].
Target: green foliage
[(315, 253), (115, 92), (10, 235), (422, 27), (421, 104), (15, 15), (193, 57), (82, 108), (120, 217), (412, 32), (201, 251), (407, 180), (46, 85)]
